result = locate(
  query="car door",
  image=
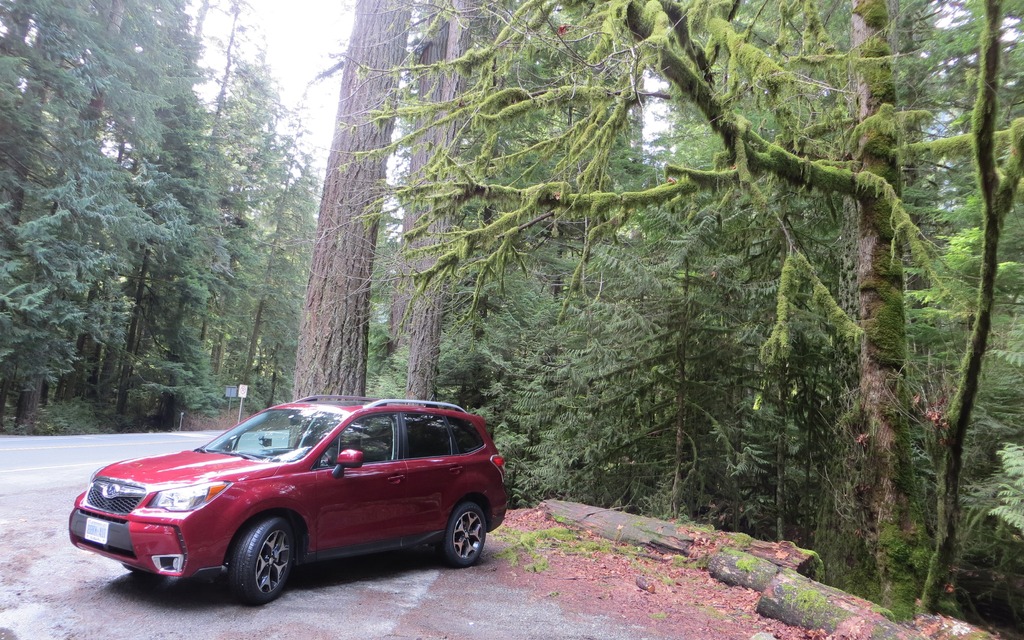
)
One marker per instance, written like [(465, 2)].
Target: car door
[(367, 504), (431, 469)]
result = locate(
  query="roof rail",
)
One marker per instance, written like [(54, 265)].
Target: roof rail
[(353, 399), (425, 403)]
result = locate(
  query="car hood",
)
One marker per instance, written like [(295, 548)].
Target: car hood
[(188, 467)]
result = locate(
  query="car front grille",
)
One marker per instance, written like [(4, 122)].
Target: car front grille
[(114, 496)]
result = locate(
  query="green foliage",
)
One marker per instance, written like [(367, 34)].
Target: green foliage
[(125, 223), (649, 380), (1011, 494), (74, 417)]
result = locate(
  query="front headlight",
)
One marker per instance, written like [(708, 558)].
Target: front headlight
[(189, 498)]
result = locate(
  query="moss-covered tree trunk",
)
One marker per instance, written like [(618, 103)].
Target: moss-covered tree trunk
[(334, 336), (895, 533), (427, 308), (997, 195)]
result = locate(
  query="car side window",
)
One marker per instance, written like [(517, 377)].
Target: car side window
[(466, 436), (427, 436), (373, 435)]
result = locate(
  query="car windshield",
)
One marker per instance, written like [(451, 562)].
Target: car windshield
[(281, 435)]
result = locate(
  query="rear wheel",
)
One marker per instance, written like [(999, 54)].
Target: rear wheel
[(465, 535), (261, 561)]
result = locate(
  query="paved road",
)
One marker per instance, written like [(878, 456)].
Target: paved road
[(50, 589), (27, 461)]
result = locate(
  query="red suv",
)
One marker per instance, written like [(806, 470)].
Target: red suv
[(319, 478)]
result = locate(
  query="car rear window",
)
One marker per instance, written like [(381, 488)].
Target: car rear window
[(466, 436), (427, 435)]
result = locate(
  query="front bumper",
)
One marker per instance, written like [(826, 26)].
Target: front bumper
[(152, 543)]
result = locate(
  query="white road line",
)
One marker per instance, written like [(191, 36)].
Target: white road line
[(60, 466), (96, 446), (88, 446)]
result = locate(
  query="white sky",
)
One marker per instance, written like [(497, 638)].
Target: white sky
[(302, 38)]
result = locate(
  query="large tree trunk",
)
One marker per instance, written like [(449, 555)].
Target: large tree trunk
[(333, 339), (133, 339), (427, 307), (254, 338), (895, 533), (28, 405), (4, 386)]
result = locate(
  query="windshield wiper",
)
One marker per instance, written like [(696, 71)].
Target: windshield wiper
[(247, 456)]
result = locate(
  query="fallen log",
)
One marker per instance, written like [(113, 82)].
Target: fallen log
[(738, 569), (784, 574), (800, 602), (681, 539)]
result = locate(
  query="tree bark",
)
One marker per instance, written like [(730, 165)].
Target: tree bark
[(682, 434), (254, 338), (997, 197), (895, 532), (4, 386), (333, 339), (134, 337), (28, 405), (427, 307)]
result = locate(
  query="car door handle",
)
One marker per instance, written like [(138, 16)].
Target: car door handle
[(456, 470), (396, 479)]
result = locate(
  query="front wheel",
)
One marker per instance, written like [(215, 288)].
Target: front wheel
[(465, 535), (261, 561)]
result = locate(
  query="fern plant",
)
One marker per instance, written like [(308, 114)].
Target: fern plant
[(1011, 494)]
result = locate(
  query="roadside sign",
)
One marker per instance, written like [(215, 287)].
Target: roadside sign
[(243, 389), (231, 392)]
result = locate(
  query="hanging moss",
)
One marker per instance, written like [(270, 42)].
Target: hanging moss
[(777, 347), (758, 66), (815, 38), (874, 66), (874, 12), (795, 270)]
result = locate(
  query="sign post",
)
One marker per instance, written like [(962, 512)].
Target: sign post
[(243, 390), (230, 392)]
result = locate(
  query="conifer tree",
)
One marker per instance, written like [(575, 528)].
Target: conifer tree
[(448, 39), (780, 121), (333, 339)]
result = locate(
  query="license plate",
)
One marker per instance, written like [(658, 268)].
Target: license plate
[(96, 530)]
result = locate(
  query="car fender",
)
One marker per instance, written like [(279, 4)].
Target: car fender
[(230, 512)]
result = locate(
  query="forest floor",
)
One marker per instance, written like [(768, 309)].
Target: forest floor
[(666, 595)]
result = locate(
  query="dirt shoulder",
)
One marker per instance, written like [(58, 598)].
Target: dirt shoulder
[(666, 595)]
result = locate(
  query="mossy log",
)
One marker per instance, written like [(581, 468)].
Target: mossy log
[(681, 539), (738, 569), (782, 572), (800, 602)]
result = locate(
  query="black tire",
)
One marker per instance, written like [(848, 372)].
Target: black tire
[(261, 561), (465, 535)]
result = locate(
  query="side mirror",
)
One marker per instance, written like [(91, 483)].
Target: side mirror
[(347, 459)]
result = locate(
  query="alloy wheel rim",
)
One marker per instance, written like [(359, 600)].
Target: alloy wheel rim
[(272, 561), (468, 535)]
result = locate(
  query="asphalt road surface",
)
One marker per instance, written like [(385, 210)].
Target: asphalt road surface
[(50, 589)]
